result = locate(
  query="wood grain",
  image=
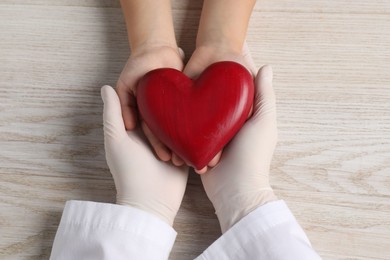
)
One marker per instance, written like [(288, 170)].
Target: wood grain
[(331, 61)]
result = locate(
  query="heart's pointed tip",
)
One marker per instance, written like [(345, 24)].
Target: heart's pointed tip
[(200, 166)]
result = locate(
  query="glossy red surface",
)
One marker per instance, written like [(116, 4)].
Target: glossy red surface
[(196, 119)]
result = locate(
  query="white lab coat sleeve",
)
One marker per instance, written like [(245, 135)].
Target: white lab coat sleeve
[(270, 232), (90, 230)]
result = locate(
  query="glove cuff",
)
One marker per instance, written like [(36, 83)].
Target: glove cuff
[(159, 210), (240, 206)]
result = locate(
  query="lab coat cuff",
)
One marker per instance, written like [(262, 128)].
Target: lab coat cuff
[(135, 222), (248, 230)]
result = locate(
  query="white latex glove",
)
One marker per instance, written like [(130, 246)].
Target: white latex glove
[(239, 183), (141, 180)]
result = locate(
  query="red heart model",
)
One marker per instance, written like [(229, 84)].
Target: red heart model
[(196, 118)]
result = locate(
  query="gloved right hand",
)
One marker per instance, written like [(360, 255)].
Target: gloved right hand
[(141, 180), (239, 183)]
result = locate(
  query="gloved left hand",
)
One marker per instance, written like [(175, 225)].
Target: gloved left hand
[(141, 180)]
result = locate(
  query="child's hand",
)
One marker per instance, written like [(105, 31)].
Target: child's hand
[(203, 57), (141, 61)]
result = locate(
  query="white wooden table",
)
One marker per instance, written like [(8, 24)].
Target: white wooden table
[(331, 60)]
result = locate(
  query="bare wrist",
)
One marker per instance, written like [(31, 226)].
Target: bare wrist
[(221, 45), (148, 22), (216, 51), (224, 23), (152, 45)]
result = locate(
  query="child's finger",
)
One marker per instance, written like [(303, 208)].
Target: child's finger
[(201, 171), (176, 160), (161, 150), (215, 160)]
